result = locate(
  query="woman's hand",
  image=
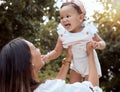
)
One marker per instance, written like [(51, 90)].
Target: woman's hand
[(89, 47), (68, 54)]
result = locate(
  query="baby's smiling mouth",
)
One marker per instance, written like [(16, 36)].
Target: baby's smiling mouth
[(67, 26)]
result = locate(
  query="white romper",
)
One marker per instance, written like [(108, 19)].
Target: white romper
[(78, 41)]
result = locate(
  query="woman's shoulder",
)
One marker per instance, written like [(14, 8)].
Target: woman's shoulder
[(85, 86), (51, 82), (58, 85), (49, 85)]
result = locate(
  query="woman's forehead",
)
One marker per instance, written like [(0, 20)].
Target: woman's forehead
[(29, 43)]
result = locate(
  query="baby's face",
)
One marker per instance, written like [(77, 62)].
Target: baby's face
[(70, 19)]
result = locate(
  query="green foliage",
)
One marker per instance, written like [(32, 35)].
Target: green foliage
[(109, 29), (49, 71), (48, 36), (23, 18)]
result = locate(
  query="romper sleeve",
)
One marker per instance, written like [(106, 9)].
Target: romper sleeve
[(62, 34), (60, 29), (92, 29), (58, 85)]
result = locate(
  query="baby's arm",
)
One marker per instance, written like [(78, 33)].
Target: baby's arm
[(98, 42), (54, 53)]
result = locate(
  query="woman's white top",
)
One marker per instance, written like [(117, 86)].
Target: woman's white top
[(78, 41), (58, 85)]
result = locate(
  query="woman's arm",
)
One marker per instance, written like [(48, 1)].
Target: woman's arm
[(93, 76), (65, 65)]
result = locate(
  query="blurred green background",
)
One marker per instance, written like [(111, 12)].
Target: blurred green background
[(27, 18)]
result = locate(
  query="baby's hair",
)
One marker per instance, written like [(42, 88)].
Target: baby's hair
[(73, 5)]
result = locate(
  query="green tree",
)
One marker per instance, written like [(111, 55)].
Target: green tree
[(109, 28), (23, 18)]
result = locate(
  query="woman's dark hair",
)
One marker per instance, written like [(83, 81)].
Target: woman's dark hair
[(15, 67), (74, 6)]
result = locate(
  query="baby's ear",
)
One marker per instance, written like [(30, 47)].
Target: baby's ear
[(82, 16)]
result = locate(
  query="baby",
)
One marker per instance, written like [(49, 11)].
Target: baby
[(73, 33)]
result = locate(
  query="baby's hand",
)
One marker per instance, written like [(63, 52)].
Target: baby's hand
[(68, 53), (44, 58), (95, 44)]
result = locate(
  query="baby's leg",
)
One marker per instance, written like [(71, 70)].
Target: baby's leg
[(75, 77)]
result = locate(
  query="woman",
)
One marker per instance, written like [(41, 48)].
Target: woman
[(20, 62)]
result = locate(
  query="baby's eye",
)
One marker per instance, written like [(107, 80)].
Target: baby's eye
[(61, 17), (68, 16)]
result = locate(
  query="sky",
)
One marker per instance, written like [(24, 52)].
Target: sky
[(90, 6)]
